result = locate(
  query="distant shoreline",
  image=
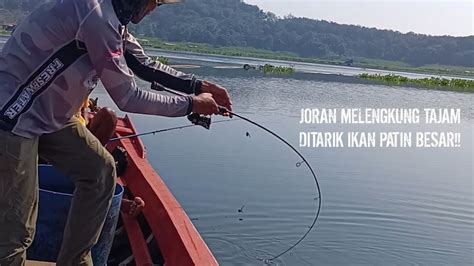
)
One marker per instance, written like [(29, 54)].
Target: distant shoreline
[(189, 48), (199, 48), (457, 71)]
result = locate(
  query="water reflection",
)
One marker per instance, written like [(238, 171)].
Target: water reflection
[(382, 206)]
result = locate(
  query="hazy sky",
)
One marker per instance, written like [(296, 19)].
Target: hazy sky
[(435, 17)]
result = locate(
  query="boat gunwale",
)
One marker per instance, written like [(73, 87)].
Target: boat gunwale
[(179, 241)]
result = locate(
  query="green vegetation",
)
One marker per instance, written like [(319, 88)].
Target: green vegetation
[(287, 56), (161, 59), (233, 23), (226, 24), (5, 33), (269, 69), (430, 83)]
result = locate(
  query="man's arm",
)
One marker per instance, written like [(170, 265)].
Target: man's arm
[(104, 46), (153, 71)]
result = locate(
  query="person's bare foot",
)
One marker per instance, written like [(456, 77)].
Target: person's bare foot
[(132, 207)]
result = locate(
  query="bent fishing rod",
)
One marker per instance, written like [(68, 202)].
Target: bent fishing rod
[(224, 110), (204, 121)]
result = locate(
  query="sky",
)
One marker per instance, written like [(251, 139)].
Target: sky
[(433, 17)]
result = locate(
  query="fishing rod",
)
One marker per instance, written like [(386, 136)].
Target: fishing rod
[(224, 110), (205, 122), (163, 130)]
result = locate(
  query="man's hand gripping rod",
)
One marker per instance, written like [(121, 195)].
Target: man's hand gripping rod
[(195, 119)]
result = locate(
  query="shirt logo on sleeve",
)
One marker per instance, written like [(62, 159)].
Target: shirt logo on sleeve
[(39, 81), (37, 84)]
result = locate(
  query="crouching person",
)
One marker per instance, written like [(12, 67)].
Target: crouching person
[(47, 68)]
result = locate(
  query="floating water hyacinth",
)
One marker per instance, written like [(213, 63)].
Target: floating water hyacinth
[(271, 69), (161, 59), (431, 83)]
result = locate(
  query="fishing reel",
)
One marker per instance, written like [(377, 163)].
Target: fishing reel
[(195, 119), (200, 120)]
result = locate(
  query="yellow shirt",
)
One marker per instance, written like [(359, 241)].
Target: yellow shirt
[(80, 113)]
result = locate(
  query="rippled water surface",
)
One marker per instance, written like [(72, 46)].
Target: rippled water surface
[(387, 206), (380, 206)]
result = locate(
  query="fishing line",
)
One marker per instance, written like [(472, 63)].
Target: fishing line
[(223, 110), (159, 87)]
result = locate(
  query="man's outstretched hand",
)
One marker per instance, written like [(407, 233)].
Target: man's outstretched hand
[(204, 104), (220, 95)]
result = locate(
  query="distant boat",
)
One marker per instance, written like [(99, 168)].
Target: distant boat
[(349, 62)]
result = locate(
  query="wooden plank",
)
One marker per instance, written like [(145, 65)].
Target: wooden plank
[(137, 240), (123, 131)]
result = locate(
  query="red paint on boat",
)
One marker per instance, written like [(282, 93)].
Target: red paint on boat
[(137, 240), (179, 241)]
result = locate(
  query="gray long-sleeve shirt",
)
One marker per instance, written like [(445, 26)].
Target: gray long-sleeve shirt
[(56, 56)]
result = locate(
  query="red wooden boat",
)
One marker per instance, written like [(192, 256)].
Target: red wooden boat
[(163, 234)]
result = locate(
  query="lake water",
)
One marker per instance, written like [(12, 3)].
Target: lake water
[(381, 206)]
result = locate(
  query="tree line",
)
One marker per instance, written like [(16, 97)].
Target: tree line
[(235, 23)]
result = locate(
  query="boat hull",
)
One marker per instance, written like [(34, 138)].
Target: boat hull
[(177, 238)]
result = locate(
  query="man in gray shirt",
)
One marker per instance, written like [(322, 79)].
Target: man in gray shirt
[(48, 67)]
